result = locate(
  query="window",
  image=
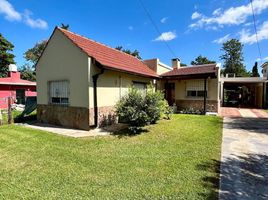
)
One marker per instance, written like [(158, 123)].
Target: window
[(195, 88), (59, 92), (140, 85)]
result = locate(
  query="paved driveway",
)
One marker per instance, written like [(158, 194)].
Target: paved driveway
[(244, 167)]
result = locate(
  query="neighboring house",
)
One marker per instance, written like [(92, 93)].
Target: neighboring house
[(79, 80), (13, 86)]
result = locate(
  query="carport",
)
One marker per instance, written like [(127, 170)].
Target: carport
[(246, 92)]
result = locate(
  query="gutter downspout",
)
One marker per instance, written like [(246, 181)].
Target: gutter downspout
[(95, 80)]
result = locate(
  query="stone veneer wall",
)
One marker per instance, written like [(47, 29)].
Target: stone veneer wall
[(212, 105), (107, 116), (73, 117)]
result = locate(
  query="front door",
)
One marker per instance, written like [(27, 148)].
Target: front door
[(170, 93), (20, 96)]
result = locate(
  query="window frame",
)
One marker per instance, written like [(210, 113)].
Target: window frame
[(61, 98)]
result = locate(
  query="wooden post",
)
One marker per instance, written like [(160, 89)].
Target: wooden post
[(1, 118), (9, 111), (205, 96)]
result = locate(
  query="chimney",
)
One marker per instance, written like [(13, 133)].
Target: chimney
[(13, 72), (176, 63)]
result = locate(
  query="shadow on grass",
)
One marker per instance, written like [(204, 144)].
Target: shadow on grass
[(26, 119), (242, 177), (126, 132)]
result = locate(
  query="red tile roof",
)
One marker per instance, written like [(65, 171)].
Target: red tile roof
[(192, 70), (15, 81), (110, 57)]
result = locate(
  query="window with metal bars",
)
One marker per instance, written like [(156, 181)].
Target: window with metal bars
[(59, 92)]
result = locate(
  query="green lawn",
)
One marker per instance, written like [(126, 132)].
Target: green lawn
[(176, 159)]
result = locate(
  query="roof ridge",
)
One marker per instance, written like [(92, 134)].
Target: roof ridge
[(199, 65), (99, 43)]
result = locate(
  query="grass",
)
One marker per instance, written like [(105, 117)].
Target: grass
[(174, 159)]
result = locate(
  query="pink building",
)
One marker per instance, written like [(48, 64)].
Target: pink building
[(15, 87)]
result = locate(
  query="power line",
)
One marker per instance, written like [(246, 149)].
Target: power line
[(256, 32), (155, 26)]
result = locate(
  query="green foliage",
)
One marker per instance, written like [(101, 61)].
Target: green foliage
[(201, 60), (134, 53), (139, 109), (255, 72), (233, 58), (32, 55), (6, 58), (28, 73)]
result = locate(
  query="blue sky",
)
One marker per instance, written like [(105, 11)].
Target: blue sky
[(189, 27)]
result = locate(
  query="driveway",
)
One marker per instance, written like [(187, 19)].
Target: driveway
[(244, 166)]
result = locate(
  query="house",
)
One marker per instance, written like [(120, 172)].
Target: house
[(80, 80), (15, 87), (184, 86)]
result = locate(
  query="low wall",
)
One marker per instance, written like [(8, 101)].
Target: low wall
[(106, 116), (212, 105), (73, 117)]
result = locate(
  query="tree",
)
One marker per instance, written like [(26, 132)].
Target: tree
[(66, 27), (255, 72), (32, 55), (6, 57), (201, 60), (134, 53), (28, 73), (233, 58)]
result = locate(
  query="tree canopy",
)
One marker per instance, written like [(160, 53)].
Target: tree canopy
[(201, 60), (6, 57), (233, 58), (255, 72), (33, 54), (28, 73), (134, 53)]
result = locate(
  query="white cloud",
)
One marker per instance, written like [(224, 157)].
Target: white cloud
[(196, 15), (264, 59), (166, 36), (8, 11), (231, 16), (34, 23), (11, 14), (222, 39), (164, 20), (250, 38)]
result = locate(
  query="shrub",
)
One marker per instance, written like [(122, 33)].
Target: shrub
[(139, 109)]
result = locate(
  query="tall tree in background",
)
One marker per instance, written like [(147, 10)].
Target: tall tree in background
[(233, 58), (65, 26), (134, 53), (255, 72), (201, 60), (6, 57), (33, 54)]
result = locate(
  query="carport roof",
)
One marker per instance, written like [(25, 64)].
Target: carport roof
[(244, 80)]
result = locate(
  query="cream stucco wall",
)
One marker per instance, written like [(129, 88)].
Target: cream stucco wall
[(62, 60), (111, 86), (162, 68), (157, 66)]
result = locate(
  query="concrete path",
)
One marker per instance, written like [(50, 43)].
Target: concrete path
[(244, 167), (76, 132)]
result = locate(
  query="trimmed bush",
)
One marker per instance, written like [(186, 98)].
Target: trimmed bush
[(138, 108)]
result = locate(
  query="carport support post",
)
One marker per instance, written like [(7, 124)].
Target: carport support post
[(205, 96)]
